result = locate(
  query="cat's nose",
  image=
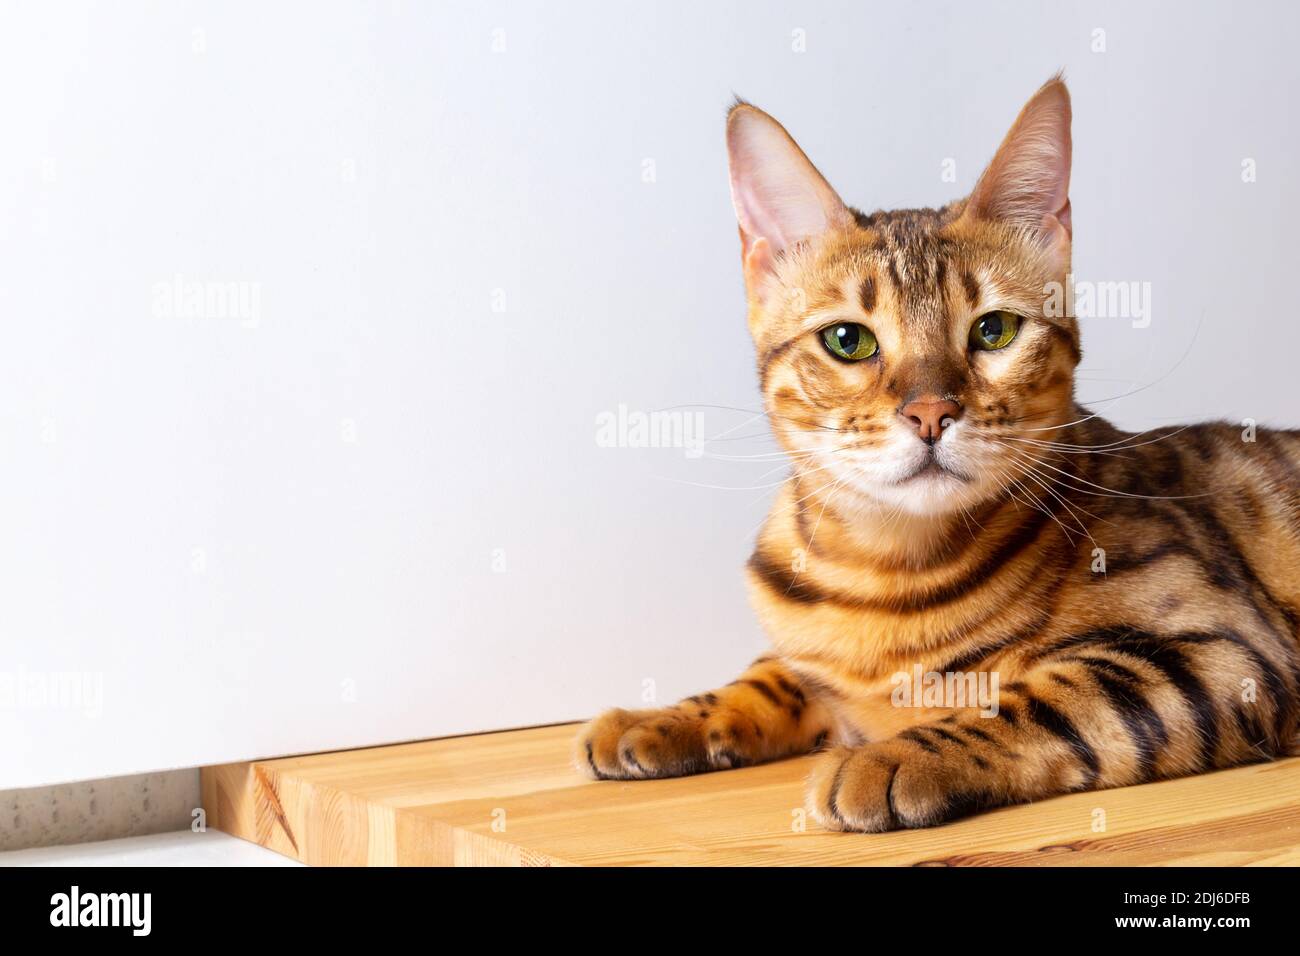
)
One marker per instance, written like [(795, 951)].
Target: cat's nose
[(930, 417)]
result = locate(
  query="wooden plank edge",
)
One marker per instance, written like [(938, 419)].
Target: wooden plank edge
[(322, 826)]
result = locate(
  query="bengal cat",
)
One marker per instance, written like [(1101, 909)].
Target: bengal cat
[(952, 512)]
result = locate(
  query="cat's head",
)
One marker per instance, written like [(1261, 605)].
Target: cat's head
[(909, 357)]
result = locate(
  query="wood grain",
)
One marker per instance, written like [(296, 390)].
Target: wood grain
[(512, 799)]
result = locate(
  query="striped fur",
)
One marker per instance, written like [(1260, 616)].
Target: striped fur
[(1136, 595)]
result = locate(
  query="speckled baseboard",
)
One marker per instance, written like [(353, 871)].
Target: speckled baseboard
[(98, 809)]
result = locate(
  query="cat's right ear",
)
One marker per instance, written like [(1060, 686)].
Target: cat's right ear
[(779, 195)]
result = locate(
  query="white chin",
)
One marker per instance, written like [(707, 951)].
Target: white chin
[(928, 494)]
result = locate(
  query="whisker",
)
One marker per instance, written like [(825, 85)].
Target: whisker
[(1111, 445), (750, 411), (1114, 492)]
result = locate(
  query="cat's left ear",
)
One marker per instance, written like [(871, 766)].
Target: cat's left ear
[(1028, 182)]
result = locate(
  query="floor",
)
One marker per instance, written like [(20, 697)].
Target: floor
[(108, 808), (512, 798), (180, 848)]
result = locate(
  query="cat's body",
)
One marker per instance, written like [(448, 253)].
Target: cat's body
[(1131, 601)]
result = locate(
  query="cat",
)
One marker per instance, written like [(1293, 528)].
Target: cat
[(952, 512)]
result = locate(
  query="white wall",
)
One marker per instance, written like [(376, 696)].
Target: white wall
[(277, 534)]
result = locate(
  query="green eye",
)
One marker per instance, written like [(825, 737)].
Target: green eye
[(850, 341), (994, 330)]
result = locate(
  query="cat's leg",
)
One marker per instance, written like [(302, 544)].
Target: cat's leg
[(1113, 712), (762, 716)]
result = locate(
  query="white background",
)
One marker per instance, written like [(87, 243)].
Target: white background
[(278, 536)]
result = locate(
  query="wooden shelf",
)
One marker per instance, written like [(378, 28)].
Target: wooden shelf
[(512, 798)]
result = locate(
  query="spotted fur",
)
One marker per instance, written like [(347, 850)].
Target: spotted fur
[(1137, 595)]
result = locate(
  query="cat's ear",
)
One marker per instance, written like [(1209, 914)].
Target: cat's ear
[(1028, 182), (779, 195)]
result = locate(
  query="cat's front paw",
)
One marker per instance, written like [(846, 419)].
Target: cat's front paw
[(890, 785), (665, 742)]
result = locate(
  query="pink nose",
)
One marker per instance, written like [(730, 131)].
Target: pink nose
[(930, 417)]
